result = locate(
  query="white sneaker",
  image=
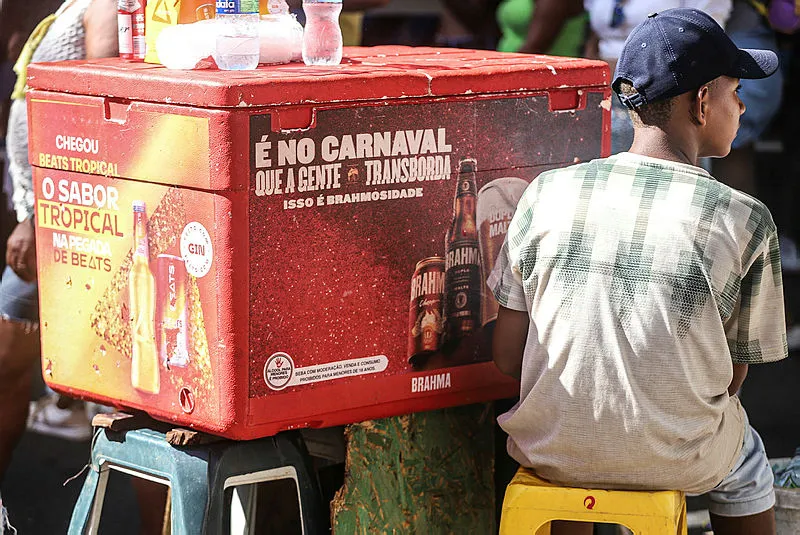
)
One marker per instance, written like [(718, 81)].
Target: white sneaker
[(46, 418)]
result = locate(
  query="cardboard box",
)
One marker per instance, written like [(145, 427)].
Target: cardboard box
[(316, 238)]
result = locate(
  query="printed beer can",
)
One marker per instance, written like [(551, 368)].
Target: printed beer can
[(497, 202), (426, 308), (172, 333)]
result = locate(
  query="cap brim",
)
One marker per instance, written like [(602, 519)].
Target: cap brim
[(753, 64)]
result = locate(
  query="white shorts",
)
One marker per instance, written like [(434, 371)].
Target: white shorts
[(748, 488)]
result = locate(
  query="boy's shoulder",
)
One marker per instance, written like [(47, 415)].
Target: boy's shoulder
[(573, 170), (746, 206)]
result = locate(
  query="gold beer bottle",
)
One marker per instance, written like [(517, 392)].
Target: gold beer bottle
[(462, 259), (142, 289)]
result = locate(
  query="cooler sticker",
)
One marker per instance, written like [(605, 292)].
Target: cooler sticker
[(327, 372), (196, 249), (406, 277), (278, 371), (427, 383)]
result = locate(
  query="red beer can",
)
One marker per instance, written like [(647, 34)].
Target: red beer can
[(171, 311), (426, 308)]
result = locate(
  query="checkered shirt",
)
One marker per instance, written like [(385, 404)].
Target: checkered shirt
[(644, 281)]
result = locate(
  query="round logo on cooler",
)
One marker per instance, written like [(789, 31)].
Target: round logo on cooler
[(196, 249), (278, 371)]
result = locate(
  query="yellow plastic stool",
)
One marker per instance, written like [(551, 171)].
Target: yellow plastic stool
[(531, 504)]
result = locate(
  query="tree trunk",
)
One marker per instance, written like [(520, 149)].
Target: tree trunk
[(428, 473)]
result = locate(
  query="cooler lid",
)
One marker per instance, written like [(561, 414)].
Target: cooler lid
[(366, 73)]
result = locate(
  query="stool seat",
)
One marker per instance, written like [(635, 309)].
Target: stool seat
[(531, 503), (201, 477)]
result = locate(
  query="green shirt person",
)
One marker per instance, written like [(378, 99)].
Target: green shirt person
[(522, 33)]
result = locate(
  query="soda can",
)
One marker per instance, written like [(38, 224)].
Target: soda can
[(171, 311), (130, 26), (497, 202), (426, 308)]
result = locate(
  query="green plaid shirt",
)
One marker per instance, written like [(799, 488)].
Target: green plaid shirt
[(644, 280)]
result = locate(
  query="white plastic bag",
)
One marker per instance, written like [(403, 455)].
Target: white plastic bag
[(187, 46), (190, 46), (280, 39)]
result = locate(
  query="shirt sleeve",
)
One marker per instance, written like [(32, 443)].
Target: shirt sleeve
[(505, 281), (756, 330)]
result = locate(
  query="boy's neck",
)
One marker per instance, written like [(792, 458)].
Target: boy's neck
[(656, 143)]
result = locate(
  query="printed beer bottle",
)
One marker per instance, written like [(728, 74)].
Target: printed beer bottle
[(142, 290), (462, 259)]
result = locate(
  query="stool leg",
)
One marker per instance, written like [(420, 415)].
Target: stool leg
[(683, 525), (83, 507)]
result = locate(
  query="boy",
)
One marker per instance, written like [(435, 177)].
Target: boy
[(636, 289)]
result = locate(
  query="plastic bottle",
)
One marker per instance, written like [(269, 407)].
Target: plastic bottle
[(322, 37), (237, 38)]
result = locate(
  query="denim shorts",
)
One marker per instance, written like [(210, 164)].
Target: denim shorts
[(19, 300), (748, 488)]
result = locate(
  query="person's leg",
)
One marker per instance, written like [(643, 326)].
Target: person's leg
[(19, 348), (743, 503), (758, 524)]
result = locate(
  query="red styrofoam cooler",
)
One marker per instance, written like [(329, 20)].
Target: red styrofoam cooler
[(248, 252)]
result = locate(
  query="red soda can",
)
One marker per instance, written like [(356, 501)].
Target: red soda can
[(172, 332), (130, 24), (426, 308)]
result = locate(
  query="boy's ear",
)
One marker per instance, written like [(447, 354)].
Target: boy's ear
[(698, 107)]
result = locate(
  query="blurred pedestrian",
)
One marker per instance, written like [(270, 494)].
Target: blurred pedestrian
[(749, 27), (17, 20), (556, 27), (468, 24), (79, 29), (402, 22)]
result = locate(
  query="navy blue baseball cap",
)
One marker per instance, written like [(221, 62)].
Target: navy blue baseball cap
[(679, 50)]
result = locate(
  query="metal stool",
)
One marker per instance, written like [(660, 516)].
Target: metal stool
[(204, 480), (531, 504)]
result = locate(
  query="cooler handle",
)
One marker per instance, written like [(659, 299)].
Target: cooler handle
[(567, 99), (116, 109)]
